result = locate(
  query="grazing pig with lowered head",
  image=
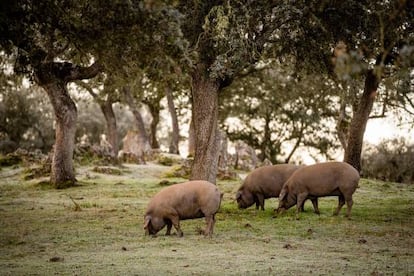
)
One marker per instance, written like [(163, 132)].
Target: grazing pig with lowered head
[(188, 200), (262, 183), (319, 180)]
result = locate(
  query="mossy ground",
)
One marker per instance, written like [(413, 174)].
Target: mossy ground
[(96, 229)]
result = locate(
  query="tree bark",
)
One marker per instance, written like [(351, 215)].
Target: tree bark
[(204, 114), (341, 126), (110, 119), (155, 113), (359, 121), (175, 137), (113, 139), (143, 138), (62, 172), (53, 77), (191, 139)]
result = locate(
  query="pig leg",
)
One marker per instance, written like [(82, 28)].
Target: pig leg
[(260, 199), (257, 204), (169, 226), (349, 203), (302, 208), (315, 205), (175, 220), (210, 220), (299, 202), (341, 202)]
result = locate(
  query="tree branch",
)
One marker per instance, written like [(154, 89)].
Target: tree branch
[(88, 88), (81, 73)]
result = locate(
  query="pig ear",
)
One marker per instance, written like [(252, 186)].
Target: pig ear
[(238, 195), (147, 221), (283, 194)]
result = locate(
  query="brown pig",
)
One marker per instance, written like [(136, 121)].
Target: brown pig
[(262, 183), (319, 180), (188, 200)]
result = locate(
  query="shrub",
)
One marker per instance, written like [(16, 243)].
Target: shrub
[(391, 160)]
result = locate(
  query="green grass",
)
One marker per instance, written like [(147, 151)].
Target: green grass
[(43, 233)]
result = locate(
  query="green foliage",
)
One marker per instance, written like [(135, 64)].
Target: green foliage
[(275, 107), (390, 160), (226, 37), (23, 118)]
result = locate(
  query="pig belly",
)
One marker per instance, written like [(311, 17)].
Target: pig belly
[(335, 192), (191, 215)]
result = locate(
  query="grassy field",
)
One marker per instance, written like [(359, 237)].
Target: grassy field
[(96, 229)]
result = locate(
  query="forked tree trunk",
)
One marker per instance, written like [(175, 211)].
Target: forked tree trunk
[(204, 114), (108, 112), (62, 173), (359, 121), (175, 137)]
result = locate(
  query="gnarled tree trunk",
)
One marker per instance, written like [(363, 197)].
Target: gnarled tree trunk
[(359, 121), (62, 173), (204, 114), (53, 77)]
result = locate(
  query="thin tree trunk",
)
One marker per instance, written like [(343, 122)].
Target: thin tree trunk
[(295, 147), (108, 112), (204, 114), (359, 121), (143, 139), (223, 153), (266, 147), (341, 125), (155, 113), (175, 137), (110, 119), (191, 139)]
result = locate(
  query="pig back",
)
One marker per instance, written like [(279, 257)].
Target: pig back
[(268, 180)]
